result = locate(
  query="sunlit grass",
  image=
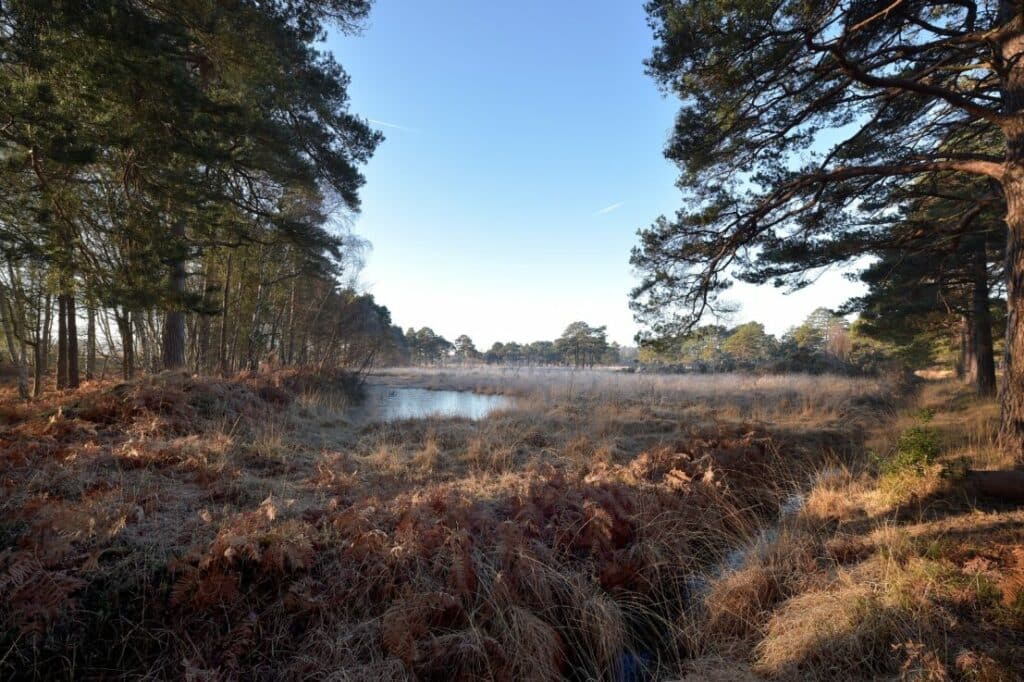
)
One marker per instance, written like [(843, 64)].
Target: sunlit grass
[(633, 524)]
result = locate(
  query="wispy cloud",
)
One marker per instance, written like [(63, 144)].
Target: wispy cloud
[(385, 124), (608, 209)]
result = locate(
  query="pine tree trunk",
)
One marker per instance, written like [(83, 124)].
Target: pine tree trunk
[(37, 376), (16, 350), (964, 330), (174, 322), (72, 341), (44, 336), (90, 344), (981, 316), (202, 359), (124, 323), (290, 347), (971, 350), (223, 360), (23, 372), (1011, 420), (144, 360), (62, 342)]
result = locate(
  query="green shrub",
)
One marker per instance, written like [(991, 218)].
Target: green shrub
[(916, 449), (926, 414)]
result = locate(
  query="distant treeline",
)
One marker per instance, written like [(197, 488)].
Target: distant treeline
[(580, 345), (824, 342)]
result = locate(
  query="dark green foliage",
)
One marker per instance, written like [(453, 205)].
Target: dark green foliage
[(918, 447), (140, 136), (581, 345), (817, 133)]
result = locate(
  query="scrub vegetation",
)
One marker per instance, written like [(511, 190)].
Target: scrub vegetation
[(176, 526), (632, 528)]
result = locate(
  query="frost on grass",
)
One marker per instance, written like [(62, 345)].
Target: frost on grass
[(234, 528)]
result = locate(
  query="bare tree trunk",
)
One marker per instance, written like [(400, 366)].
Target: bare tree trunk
[(174, 320), (108, 337), (45, 332), (138, 331), (254, 344), (124, 324), (90, 344), (290, 347), (62, 342), (40, 368), (202, 326), (981, 315), (964, 331), (72, 341), (223, 360), (37, 353), (971, 349), (16, 349)]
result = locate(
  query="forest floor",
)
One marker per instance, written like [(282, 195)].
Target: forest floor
[(619, 527)]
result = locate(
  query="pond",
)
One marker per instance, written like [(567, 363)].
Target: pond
[(394, 403)]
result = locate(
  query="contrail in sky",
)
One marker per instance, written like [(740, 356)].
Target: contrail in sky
[(608, 209)]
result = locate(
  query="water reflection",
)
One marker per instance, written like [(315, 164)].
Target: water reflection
[(394, 403)]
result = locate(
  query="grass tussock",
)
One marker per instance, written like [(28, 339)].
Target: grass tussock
[(207, 528), (891, 568)]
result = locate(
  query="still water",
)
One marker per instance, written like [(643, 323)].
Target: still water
[(394, 403)]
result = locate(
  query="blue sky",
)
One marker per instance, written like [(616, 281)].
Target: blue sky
[(523, 152)]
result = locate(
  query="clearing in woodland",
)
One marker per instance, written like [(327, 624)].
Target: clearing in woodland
[(623, 527)]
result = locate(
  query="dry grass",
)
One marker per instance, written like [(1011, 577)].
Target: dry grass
[(790, 397), (212, 529), (883, 572)]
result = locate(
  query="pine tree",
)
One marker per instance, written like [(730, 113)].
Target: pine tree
[(916, 87)]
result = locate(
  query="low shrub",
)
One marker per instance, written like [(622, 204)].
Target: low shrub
[(916, 449)]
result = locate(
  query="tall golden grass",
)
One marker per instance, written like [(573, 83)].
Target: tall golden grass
[(202, 528), (881, 572)]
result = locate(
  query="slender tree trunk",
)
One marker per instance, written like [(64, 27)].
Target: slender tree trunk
[(290, 347), (23, 371), (964, 331), (254, 343), (90, 344), (223, 360), (139, 332), (970, 348), (124, 323), (1011, 421), (202, 331), (62, 342), (981, 315), (74, 378), (174, 322), (46, 332), (154, 333), (16, 350), (108, 336), (37, 352), (40, 367), (15, 324)]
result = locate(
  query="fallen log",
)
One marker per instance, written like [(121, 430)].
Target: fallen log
[(1003, 484)]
